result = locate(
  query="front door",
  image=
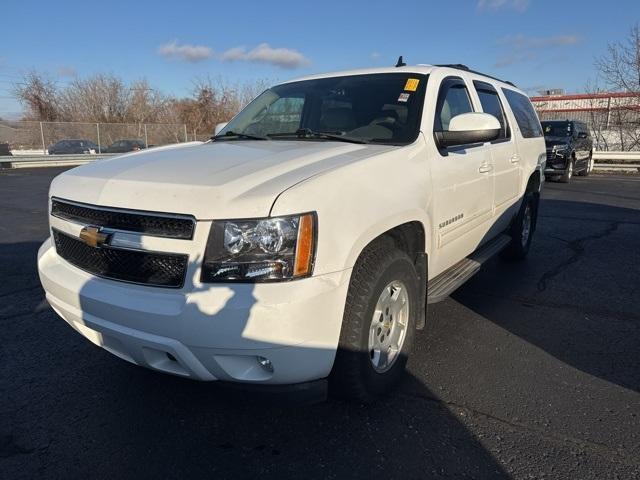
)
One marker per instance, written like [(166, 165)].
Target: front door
[(462, 182)]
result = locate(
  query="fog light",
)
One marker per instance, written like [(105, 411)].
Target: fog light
[(265, 363)]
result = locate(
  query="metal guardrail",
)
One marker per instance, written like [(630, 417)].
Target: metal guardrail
[(618, 161), (32, 161), (623, 157)]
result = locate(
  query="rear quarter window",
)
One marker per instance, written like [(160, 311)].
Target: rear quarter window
[(525, 114)]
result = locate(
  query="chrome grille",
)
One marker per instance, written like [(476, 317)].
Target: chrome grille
[(145, 223)]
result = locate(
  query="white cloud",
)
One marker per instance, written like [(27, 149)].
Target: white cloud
[(522, 42), (517, 5), (186, 52), (521, 48), (264, 53), (375, 55)]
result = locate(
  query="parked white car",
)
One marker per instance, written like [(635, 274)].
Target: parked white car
[(305, 240)]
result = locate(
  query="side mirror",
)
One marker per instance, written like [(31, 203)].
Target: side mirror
[(582, 135), (469, 128), (219, 127)]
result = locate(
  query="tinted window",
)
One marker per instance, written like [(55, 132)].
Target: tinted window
[(556, 129), (455, 101), (524, 113), (492, 105), (582, 128), (578, 128), (381, 108)]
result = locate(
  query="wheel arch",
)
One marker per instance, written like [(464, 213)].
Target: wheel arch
[(411, 237), (534, 186)]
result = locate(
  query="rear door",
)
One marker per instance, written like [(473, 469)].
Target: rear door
[(507, 172), (527, 131)]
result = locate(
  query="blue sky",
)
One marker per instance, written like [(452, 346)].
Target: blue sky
[(534, 43)]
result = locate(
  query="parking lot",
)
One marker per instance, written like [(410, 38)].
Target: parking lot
[(530, 370)]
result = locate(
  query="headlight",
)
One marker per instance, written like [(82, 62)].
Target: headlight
[(260, 250), (560, 150)]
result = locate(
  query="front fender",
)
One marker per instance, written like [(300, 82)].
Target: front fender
[(358, 202)]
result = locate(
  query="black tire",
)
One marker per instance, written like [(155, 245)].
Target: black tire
[(353, 375), (519, 247), (587, 168), (568, 173)]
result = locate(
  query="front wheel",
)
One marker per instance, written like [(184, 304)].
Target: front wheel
[(522, 229), (378, 325), (588, 167), (566, 178)]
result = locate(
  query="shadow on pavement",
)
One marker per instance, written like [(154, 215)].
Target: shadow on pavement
[(72, 410), (588, 266)]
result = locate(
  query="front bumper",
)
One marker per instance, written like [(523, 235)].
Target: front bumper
[(215, 332), (556, 163), (554, 171)]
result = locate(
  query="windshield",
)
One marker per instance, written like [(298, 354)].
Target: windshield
[(380, 108), (557, 129)]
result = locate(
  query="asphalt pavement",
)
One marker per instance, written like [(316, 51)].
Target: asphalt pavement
[(530, 370)]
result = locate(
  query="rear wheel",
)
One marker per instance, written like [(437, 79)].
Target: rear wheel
[(378, 325), (522, 229)]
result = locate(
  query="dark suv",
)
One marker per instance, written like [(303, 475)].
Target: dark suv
[(569, 149)]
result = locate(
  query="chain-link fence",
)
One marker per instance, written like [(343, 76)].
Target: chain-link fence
[(610, 132), (38, 137), (613, 118)]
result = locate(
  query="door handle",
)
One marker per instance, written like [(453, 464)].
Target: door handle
[(515, 159), (485, 168)]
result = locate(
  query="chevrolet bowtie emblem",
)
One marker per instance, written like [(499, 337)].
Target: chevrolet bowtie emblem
[(93, 237)]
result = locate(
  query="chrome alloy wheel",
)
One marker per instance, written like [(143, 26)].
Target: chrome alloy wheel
[(388, 328), (526, 225)]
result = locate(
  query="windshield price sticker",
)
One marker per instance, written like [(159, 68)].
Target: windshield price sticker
[(412, 84), (404, 97)]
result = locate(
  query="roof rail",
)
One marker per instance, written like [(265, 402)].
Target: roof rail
[(460, 66)]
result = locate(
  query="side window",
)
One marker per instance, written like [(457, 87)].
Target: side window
[(524, 113), (452, 100), (492, 105)]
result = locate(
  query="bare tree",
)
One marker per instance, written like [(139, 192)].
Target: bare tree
[(214, 101), (108, 99), (620, 66), (619, 70), (39, 96)]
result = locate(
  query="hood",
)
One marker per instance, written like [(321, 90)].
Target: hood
[(228, 179), (553, 141)]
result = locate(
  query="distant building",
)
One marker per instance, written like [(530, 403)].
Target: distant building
[(553, 91), (614, 118), (603, 109)]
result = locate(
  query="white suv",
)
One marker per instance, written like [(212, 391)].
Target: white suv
[(304, 241)]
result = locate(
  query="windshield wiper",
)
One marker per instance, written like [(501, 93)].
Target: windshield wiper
[(307, 132), (239, 135)]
